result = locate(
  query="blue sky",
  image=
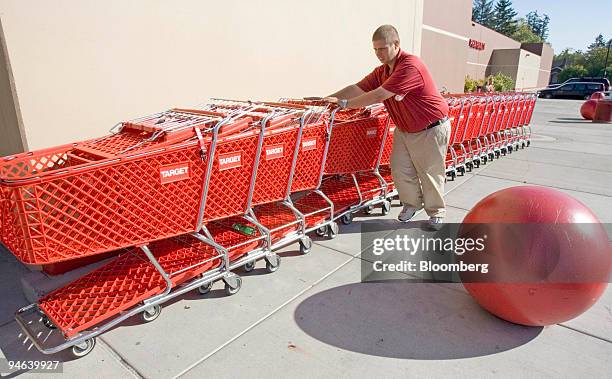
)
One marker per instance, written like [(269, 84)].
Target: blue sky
[(573, 24)]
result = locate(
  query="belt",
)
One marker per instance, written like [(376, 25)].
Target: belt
[(439, 122)]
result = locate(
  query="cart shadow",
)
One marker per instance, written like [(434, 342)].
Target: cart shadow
[(407, 320)]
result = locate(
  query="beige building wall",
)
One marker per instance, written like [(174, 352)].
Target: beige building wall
[(546, 54), (479, 60), (80, 66), (445, 40), (504, 61), (11, 129), (528, 71)]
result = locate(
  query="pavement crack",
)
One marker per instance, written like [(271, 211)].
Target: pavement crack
[(115, 354), (586, 333)]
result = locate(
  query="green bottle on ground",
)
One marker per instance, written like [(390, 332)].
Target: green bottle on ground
[(244, 229)]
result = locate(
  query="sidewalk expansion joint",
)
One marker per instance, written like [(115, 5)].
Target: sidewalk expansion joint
[(115, 354), (586, 333)]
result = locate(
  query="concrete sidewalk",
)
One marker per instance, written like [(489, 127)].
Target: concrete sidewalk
[(313, 317)]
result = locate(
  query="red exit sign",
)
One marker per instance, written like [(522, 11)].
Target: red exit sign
[(476, 44)]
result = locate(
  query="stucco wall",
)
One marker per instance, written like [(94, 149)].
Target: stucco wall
[(446, 25), (80, 66), (528, 71), (479, 60), (11, 131)]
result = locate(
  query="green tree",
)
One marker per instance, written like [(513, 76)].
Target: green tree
[(572, 72), (539, 24), (504, 20), (599, 42), (524, 33), (482, 12)]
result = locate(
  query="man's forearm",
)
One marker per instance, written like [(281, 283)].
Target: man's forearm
[(348, 92), (369, 98)]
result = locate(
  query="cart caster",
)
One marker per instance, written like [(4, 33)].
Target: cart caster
[(205, 288), (510, 149), (368, 210), (528, 143), (305, 245), (84, 348), (491, 156), (151, 313), (386, 208), (461, 171), (273, 263), (484, 159), (347, 218), (333, 230), (48, 323), (497, 154), (522, 145), (477, 163), (321, 231), (232, 285), (249, 266), (469, 166)]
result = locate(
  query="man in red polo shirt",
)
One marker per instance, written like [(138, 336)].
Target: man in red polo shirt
[(420, 113)]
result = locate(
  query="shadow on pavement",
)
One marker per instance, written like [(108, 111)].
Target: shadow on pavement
[(408, 321)]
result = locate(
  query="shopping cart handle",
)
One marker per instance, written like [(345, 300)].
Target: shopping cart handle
[(313, 98)]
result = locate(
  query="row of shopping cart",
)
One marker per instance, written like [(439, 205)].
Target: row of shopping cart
[(486, 127), (185, 197)]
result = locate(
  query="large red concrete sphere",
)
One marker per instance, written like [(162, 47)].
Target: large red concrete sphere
[(549, 257), (587, 110)]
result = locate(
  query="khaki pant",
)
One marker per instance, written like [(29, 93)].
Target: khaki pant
[(418, 168)]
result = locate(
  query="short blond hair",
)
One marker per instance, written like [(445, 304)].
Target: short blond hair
[(388, 33)]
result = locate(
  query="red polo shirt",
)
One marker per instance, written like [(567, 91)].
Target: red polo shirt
[(422, 104)]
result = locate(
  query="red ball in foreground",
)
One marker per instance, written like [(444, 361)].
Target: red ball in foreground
[(549, 257), (587, 110)]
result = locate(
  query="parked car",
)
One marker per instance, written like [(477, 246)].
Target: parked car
[(585, 79), (577, 90)]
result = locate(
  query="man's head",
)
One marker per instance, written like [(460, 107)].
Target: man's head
[(386, 43)]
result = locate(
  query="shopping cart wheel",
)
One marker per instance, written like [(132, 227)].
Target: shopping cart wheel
[(333, 230), (484, 159), (205, 288), (469, 166), (84, 348), (522, 145), (305, 245), (248, 267), (368, 210), (491, 156), (528, 142), (461, 171), (497, 154), (48, 323), (510, 149), (233, 285), (273, 263), (321, 231), (477, 163), (386, 207), (151, 313), (347, 218)]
